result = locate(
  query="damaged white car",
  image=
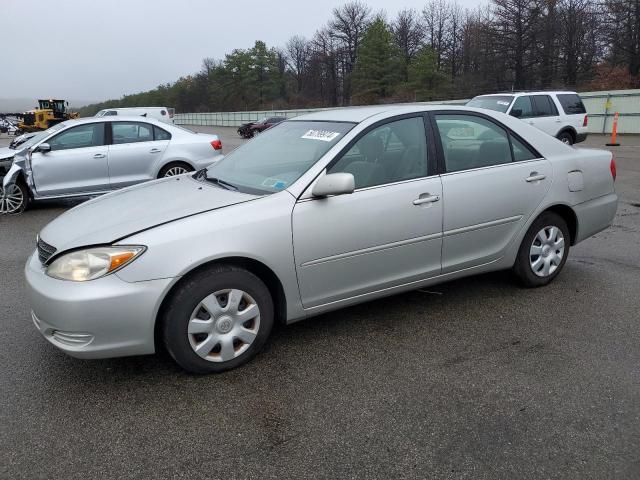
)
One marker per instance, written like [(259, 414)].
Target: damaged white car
[(93, 156)]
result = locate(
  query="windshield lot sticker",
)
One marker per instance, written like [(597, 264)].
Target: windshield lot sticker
[(323, 135), (274, 183), (502, 102)]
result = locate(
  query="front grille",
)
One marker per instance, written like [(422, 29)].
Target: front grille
[(45, 251)]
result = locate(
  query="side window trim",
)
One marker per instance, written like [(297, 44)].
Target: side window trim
[(442, 170), (431, 154)]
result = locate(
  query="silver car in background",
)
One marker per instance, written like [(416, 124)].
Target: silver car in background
[(93, 156), (320, 212)]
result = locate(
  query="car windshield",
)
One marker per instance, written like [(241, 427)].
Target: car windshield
[(491, 102), (39, 136), (274, 160)]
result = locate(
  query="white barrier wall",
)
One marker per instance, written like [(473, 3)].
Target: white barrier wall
[(601, 107)]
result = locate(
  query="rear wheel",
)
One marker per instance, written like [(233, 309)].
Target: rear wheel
[(175, 168), (14, 199), (217, 320), (543, 251), (566, 137)]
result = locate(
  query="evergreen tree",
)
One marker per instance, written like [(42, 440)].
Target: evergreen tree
[(378, 64)]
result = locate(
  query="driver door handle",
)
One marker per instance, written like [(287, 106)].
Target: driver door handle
[(99, 155), (535, 177), (155, 150), (426, 198)]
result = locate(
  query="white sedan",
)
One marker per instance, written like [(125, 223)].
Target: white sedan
[(93, 156)]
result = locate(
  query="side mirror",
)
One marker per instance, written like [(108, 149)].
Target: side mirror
[(516, 112), (44, 148), (334, 184)]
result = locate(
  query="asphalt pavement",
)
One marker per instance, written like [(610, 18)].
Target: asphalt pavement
[(475, 378)]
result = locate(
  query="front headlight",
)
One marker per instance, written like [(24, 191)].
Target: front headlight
[(92, 263)]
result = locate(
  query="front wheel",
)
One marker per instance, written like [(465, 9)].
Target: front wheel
[(543, 251), (14, 199), (217, 320)]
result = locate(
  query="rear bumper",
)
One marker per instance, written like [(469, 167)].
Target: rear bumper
[(595, 215), (102, 318)]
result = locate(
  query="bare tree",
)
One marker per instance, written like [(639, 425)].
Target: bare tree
[(326, 60), (623, 28), (515, 28), (408, 33), (347, 26), (456, 19), (298, 50), (436, 16)]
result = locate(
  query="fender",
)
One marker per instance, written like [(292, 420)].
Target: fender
[(12, 174)]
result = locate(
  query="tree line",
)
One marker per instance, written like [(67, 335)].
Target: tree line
[(443, 51)]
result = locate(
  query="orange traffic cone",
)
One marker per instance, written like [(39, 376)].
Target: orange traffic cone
[(614, 132)]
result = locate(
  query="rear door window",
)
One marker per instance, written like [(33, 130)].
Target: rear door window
[(544, 106), (571, 103), (131, 132), (522, 107), (471, 142)]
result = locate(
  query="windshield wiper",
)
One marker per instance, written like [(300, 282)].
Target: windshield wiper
[(221, 183)]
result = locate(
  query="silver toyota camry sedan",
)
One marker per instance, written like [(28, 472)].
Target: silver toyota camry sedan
[(323, 211), (93, 156)]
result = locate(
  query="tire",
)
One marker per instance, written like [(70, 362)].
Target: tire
[(538, 269), (255, 133), (217, 330), (15, 200), (174, 168), (566, 137)]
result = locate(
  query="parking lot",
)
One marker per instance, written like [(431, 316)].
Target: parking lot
[(476, 378)]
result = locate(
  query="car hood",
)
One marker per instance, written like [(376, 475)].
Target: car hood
[(125, 212), (6, 152)]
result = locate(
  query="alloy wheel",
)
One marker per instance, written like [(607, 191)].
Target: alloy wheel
[(547, 251), (11, 199), (224, 325), (173, 171)]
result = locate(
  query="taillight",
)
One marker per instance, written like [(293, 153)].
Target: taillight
[(585, 121), (216, 144), (612, 166)]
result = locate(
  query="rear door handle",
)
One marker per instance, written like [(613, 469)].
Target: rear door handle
[(535, 177), (155, 150), (99, 155), (426, 198)]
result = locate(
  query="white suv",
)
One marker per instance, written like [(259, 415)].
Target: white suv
[(561, 114)]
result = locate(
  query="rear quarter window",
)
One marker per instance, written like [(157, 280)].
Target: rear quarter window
[(571, 104)]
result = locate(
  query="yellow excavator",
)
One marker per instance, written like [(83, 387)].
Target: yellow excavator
[(48, 113)]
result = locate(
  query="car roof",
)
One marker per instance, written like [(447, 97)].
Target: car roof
[(532, 92), (119, 118), (359, 114)]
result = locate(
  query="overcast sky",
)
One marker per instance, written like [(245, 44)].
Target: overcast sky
[(93, 50)]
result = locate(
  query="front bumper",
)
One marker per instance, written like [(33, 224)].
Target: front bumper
[(102, 318)]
